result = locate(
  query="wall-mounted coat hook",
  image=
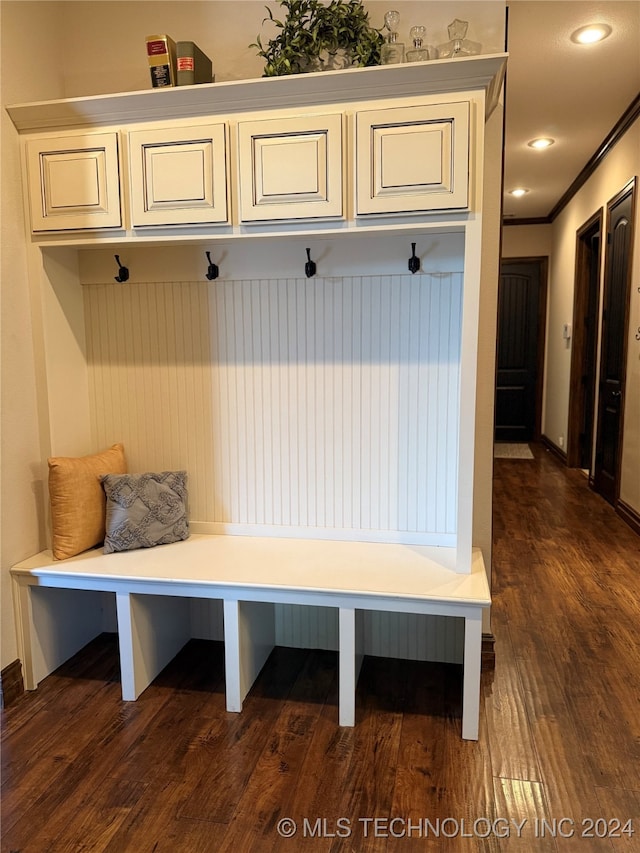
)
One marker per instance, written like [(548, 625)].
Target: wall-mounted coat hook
[(309, 267), (212, 271), (123, 272), (414, 260)]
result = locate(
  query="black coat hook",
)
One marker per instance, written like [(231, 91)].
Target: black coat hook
[(309, 267), (414, 261), (212, 271), (123, 272)]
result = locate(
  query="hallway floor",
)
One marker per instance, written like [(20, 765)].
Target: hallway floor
[(556, 768)]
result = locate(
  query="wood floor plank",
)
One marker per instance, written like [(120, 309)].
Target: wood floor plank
[(240, 742), (153, 826), (441, 795), (97, 817), (511, 743), (199, 804), (269, 790), (372, 772), (325, 774), (526, 805), (99, 740), (619, 818)]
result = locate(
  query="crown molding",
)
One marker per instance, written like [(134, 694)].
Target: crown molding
[(615, 135), (527, 220), (485, 72)]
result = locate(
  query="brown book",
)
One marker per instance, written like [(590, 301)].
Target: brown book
[(161, 53)]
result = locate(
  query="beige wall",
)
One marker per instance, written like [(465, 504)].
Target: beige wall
[(116, 61), (93, 47), (28, 30), (527, 241)]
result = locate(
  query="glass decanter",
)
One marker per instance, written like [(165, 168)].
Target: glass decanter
[(420, 51), (392, 51), (458, 45)]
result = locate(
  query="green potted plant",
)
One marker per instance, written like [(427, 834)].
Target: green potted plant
[(315, 36)]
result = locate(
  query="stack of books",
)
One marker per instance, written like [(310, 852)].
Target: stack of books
[(179, 63)]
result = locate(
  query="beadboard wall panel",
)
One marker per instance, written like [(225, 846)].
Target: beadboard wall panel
[(150, 384), (407, 636), (317, 407), (397, 635)]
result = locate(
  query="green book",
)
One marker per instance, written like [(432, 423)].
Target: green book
[(193, 66)]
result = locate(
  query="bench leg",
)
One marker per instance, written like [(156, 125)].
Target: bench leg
[(351, 624), (25, 627), (249, 638), (471, 675), (151, 631)]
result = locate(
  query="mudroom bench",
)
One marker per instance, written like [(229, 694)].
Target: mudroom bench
[(249, 575)]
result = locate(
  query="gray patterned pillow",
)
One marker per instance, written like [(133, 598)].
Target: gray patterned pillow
[(145, 510)]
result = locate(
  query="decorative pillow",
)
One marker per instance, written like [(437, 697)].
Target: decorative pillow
[(145, 510), (77, 499)]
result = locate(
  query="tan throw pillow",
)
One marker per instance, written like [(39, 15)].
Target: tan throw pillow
[(78, 503)]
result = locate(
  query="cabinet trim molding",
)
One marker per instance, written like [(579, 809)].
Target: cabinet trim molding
[(236, 96)]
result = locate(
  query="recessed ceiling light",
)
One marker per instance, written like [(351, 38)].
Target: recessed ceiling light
[(591, 33), (541, 142), (518, 191)]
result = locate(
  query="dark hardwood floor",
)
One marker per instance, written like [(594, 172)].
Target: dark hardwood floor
[(559, 738)]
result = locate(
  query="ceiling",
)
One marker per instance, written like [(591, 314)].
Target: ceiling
[(571, 92)]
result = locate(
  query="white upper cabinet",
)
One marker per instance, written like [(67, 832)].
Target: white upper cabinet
[(347, 151), (73, 182), (291, 168), (179, 175), (413, 158)]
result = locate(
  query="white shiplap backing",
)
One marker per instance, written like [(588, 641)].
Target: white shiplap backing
[(319, 407), (327, 405)]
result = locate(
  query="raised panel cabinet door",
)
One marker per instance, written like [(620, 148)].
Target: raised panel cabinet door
[(291, 168), (411, 159), (179, 176), (74, 182)]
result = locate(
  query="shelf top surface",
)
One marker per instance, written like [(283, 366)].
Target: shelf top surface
[(484, 72), (307, 566)]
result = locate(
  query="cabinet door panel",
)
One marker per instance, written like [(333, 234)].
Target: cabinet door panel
[(291, 168), (412, 159), (179, 176), (74, 182)]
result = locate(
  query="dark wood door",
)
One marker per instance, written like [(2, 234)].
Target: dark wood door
[(582, 391), (613, 353), (517, 355)]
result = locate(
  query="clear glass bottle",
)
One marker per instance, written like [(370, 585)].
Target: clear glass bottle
[(420, 51), (458, 45), (392, 51)]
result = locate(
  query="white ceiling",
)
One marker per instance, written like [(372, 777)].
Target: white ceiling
[(573, 93)]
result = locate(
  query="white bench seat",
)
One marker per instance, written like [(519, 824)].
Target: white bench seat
[(249, 575)]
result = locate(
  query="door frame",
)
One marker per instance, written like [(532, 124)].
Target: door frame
[(542, 262), (629, 188), (579, 341)]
